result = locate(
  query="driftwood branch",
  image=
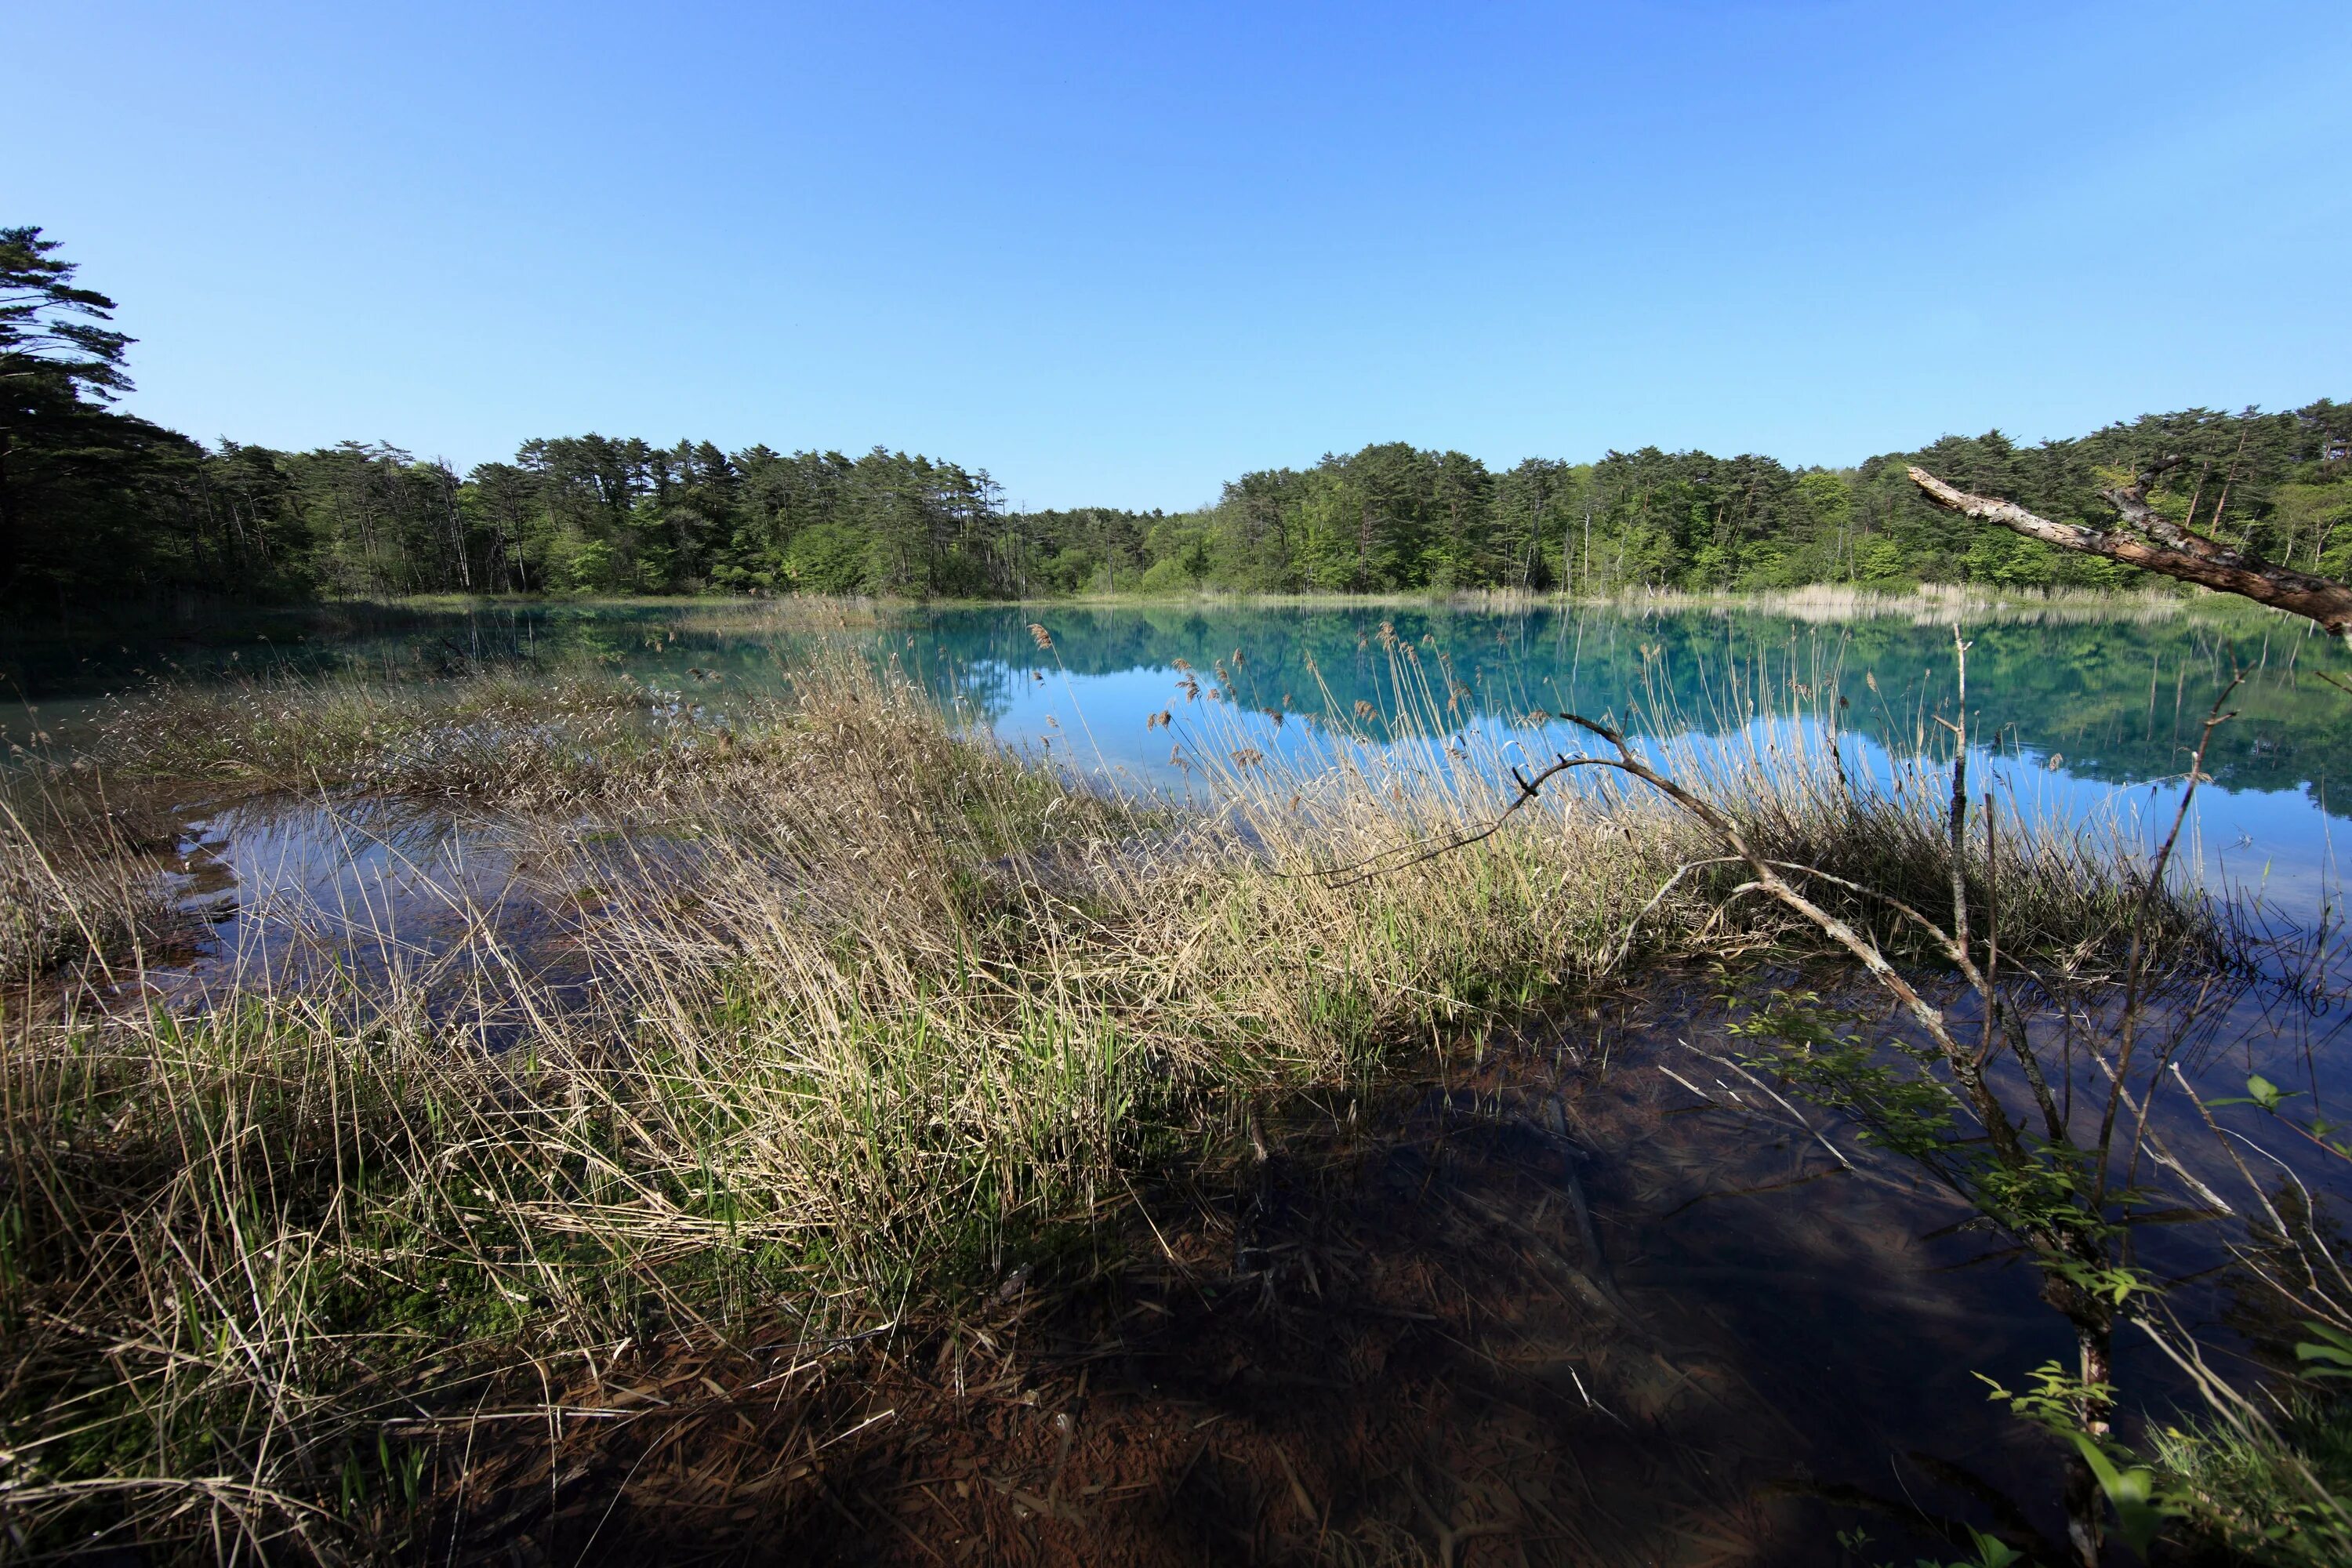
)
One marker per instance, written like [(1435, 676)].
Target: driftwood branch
[(2153, 542)]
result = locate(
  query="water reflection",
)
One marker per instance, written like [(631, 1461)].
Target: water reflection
[(2082, 716), (361, 898), (2090, 718)]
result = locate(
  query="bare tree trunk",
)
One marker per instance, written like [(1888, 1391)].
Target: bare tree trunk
[(2222, 508), (446, 481), (2084, 1500), (11, 540)]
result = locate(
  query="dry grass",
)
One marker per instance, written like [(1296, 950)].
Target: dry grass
[(874, 1015), (79, 892)]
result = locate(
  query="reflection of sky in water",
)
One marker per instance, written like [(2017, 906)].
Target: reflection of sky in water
[(2273, 841), (2114, 702)]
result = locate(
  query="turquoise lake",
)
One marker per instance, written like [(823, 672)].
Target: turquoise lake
[(2080, 718)]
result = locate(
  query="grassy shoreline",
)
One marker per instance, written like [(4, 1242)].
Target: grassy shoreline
[(1820, 600), (877, 1020)]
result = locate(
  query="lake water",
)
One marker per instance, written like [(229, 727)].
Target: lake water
[(2092, 717), (2089, 716), (2084, 718), (2079, 719)]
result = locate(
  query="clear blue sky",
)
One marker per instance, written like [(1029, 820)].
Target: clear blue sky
[(1118, 254)]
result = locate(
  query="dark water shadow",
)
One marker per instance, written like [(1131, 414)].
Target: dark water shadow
[(1575, 1300)]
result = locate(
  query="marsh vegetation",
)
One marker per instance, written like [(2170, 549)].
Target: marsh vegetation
[(651, 1114)]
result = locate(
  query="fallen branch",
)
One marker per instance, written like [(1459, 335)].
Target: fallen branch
[(2162, 546)]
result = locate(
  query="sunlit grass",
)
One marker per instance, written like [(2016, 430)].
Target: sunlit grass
[(874, 1015)]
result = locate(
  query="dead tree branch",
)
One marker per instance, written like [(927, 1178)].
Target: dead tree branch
[(2153, 542)]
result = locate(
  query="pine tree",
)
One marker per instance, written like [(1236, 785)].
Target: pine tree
[(57, 352)]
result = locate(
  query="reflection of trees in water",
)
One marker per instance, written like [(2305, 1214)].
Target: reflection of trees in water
[(103, 653), (981, 689), (665, 644), (2119, 701)]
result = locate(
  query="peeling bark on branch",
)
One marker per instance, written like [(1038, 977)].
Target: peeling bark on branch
[(2164, 547)]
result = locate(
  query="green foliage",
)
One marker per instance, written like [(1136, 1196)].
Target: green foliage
[(2261, 1092), (1988, 1550), (596, 514), (1900, 1099), (101, 505), (2055, 1400), (1889, 1091), (51, 328), (2330, 1356), (2275, 1492), (2131, 1491)]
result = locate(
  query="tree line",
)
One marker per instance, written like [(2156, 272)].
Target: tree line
[(96, 503)]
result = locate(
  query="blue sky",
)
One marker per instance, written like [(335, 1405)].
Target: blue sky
[(1118, 254)]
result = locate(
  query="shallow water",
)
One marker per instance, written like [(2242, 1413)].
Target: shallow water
[(1574, 1297), (363, 896)]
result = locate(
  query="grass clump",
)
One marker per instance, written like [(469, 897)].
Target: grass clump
[(510, 735), (2275, 1491), (77, 894)]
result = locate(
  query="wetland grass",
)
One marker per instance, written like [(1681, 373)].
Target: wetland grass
[(863, 1025)]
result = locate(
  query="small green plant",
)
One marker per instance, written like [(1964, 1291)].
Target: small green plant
[(1991, 1551), (2330, 1356), (2140, 1512), (2272, 1489), (2054, 1399), (2319, 1131)]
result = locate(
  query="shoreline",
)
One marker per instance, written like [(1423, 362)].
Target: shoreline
[(182, 614)]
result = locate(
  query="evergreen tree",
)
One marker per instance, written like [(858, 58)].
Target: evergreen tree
[(59, 357)]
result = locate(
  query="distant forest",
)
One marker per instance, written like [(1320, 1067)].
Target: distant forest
[(98, 504)]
